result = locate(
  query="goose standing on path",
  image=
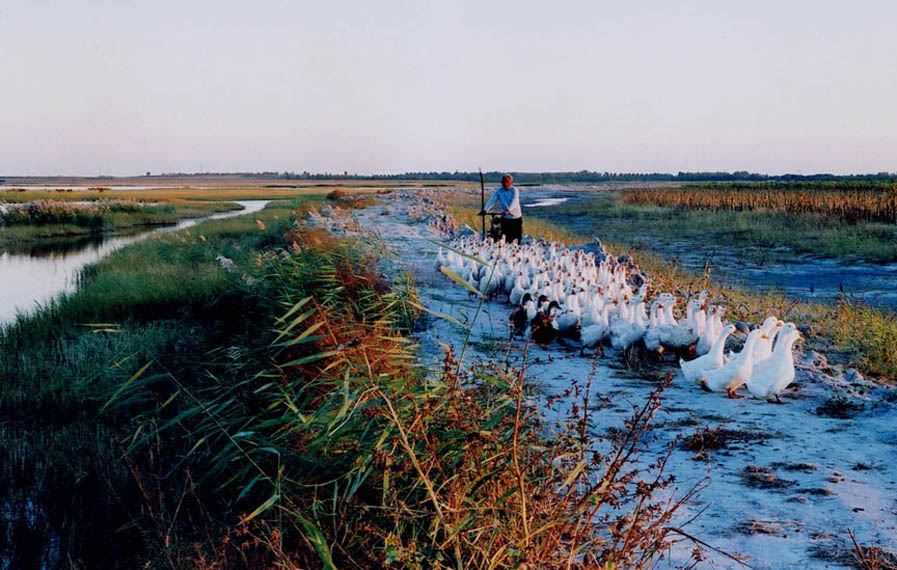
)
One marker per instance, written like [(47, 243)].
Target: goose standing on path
[(520, 317), (774, 374), (594, 334), (670, 333), (693, 369), (734, 373), (518, 291), (763, 349), (713, 326), (544, 327)]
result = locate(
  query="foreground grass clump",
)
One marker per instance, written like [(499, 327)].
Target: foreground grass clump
[(274, 415), (162, 300), (346, 453)]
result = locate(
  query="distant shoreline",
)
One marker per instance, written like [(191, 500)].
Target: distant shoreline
[(457, 178)]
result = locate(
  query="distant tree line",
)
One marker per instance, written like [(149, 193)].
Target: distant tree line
[(582, 176)]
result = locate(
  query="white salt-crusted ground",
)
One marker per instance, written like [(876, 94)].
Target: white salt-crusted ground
[(783, 495)]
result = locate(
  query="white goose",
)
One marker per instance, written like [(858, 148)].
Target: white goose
[(594, 334), (671, 334), (763, 349), (693, 369), (710, 333), (768, 324), (569, 319), (518, 291), (774, 374), (629, 327), (734, 373), (652, 335)]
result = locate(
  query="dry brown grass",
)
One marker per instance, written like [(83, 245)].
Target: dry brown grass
[(850, 202), (353, 456)]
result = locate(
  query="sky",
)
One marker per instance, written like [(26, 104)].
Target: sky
[(119, 87)]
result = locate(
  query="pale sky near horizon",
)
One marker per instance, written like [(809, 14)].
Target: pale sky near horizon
[(122, 87)]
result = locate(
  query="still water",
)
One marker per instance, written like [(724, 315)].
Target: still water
[(29, 280)]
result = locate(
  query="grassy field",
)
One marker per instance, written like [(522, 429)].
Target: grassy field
[(116, 210), (180, 196), (174, 414), (618, 217), (848, 201), (157, 300), (865, 337), (217, 193), (43, 219)]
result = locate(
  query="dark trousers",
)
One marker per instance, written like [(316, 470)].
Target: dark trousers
[(512, 228)]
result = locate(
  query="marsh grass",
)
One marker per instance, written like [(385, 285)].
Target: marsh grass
[(850, 201), (163, 300), (95, 215), (627, 217), (170, 413), (373, 463), (28, 225), (189, 194)]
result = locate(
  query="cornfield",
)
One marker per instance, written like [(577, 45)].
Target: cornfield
[(849, 201)]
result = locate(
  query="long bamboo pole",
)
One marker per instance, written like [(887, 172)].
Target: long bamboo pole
[(482, 204)]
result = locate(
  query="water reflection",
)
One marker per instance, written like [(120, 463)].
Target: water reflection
[(34, 277), (545, 202)]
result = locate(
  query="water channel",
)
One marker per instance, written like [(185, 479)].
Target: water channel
[(28, 280)]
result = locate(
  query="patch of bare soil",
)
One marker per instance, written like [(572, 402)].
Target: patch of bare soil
[(706, 439), (855, 555), (776, 528), (764, 478)]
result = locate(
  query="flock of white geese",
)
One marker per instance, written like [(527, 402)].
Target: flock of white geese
[(562, 293)]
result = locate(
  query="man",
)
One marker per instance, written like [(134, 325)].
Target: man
[(507, 198)]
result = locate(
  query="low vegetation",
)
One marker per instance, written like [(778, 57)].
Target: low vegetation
[(178, 411), (30, 224), (647, 224), (94, 215), (176, 195), (850, 201)]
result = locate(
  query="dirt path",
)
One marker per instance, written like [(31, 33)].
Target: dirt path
[(786, 484)]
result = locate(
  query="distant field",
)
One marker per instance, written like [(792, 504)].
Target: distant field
[(43, 220), (172, 194), (214, 181), (768, 218), (852, 202)]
